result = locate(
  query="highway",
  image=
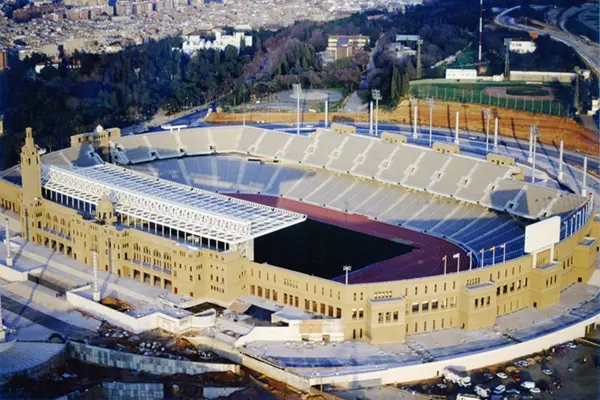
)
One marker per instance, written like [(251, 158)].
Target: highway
[(589, 53)]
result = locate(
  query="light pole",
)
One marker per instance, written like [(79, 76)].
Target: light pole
[(534, 137), (560, 159), (415, 117), (530, 154), (431, 103), (493, 255), (503, 245), (327, 111), (584, 183), (456, 132), (457, 257), (371, 118), (298, 92), (376, 94), (9, 260), (487, 113), (445, 258), (482, 251), (347, 269), (496, 135)]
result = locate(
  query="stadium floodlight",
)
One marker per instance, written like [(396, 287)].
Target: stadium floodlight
[(347, 269), (487, 113), (534, 136), (457, 257), (376, 94), (9, 260), (431, 103), (503, 246), (298, 92), (370, 118)]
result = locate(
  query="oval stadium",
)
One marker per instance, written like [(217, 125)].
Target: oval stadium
[(377, 239)]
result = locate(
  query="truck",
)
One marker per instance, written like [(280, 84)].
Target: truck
[(457, 376)]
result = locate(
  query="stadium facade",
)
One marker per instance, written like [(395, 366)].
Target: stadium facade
[(180, 235)]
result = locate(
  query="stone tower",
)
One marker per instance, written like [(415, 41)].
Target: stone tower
[(105, 211), (31, 182), (31, 169)]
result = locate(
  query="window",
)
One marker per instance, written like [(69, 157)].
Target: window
[(525, 285), (395, 316), (504, 289), (388, 316), (425, 306), (476, 303), (415, 307), (361, 313), (380, 318), (354, 313), (434, 305)]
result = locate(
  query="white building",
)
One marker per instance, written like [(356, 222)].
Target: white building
[(457, 74), (522, 46), (195, 41)]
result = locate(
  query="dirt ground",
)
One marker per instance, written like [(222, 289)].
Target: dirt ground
[(501, 92), (511, 123)]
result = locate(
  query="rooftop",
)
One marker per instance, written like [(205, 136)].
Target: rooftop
[(177, 206)]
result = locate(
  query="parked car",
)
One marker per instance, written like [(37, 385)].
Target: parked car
[(571, 345), (547, 371), (535, 390), (501, 375), (488, 376), (500, 389), (528, 385), (513, 391)]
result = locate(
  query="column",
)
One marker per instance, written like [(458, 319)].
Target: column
[(415, 117)]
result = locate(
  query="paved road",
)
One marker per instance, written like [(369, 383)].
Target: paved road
[(354, 104), (589, 53), (43, 319)]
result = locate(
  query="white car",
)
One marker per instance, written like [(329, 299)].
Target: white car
[(501, 375), (499, 389), (571, 345), (547, 371), (528, 385), (535, 390)]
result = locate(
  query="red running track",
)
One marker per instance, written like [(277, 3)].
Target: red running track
[(425, 260)]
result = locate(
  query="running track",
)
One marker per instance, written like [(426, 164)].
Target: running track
[(425, 260)]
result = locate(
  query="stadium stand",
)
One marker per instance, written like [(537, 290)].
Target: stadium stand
[(467, 201)]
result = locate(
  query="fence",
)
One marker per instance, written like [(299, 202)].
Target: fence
[(524, 103)]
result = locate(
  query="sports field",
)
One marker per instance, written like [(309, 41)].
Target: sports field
[(552, 99), (320, 249)]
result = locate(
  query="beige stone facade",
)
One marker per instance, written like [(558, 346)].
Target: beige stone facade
[(380, 312)]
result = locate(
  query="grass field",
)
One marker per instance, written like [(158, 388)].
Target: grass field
[(511, 123), (322, 250), (474, 93)]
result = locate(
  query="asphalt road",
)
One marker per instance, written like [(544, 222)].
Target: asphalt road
[(589, 53)]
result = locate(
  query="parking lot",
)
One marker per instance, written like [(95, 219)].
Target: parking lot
[(571, 373)]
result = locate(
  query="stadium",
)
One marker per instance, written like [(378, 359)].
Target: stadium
[(389, 238)]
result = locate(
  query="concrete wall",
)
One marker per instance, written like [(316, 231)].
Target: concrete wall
[(268, 333), (152, 365), (133, 391), (12, 275), (138, 325)]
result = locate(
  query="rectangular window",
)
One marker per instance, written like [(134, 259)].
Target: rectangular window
[(354, 313), (415, 307), (380, 318), (338, 313), (504, 289), (361, 313), (388, 317), (525, 285), (425, 306), (476, 303), (434, 305), (395, 316)]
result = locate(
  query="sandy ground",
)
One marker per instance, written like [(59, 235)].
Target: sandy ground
[(511, 123), (501, 92)]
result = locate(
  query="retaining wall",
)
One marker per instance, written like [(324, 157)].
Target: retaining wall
[(152, 365), (133, 391)]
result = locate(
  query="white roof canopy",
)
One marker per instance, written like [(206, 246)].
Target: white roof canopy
[(173, 205)]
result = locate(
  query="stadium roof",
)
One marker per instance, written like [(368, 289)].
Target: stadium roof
[(184, 208)]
